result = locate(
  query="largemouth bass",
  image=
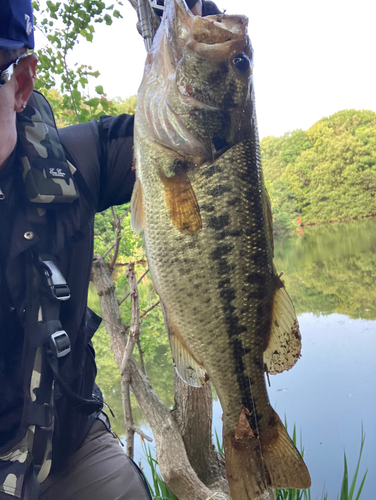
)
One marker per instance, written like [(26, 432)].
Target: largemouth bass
[(201, 202)]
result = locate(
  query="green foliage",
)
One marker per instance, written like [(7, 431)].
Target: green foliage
[(293, 145), (64, 24), (127, 105), (325, 174)]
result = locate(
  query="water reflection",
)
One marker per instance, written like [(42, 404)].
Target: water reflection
[(330, 274), (331, 268)]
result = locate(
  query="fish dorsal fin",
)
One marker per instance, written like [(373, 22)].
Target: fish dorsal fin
[(181, 202), (186, 366), (284, 345), (137, 213)]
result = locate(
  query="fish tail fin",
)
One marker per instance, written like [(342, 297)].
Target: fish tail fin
[(284, 463), (254, 465)]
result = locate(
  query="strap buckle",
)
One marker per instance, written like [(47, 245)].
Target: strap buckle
[(49, 419), (55, 280), (60, 343)]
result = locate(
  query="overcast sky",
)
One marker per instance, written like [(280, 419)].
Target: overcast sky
[(312, 58)]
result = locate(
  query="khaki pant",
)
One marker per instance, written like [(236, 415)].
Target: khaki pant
[(99, 470)]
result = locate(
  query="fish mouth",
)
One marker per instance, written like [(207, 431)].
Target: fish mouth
[(218, 36)]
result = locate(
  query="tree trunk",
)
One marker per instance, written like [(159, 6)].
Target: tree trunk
[(194, 415)]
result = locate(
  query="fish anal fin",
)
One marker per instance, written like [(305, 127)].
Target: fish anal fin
[(284, 342), (181, 202), (186, 366), (137, 213)]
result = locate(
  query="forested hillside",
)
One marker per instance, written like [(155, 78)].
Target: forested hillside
[(327, 173)]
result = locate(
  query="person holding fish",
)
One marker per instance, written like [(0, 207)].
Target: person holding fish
[(55, 440)]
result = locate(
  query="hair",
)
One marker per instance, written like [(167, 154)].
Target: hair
[(12, 55)]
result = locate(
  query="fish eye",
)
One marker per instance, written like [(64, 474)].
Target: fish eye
[(242, 63)]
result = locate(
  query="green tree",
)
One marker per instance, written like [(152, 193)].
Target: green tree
[(325, 174), (64, 23)]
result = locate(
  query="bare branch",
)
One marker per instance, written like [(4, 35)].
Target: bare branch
[(129, 293), (109, 250), (141, 353), (133, 337), (117, 224), (142, 434), (150, 309)]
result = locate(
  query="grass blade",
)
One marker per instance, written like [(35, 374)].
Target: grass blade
[(361, 485), (352, 489)]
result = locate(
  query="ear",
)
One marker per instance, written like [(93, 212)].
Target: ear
[(24, 74), (197, 8)]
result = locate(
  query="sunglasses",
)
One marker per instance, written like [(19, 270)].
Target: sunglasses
[(6, 73)]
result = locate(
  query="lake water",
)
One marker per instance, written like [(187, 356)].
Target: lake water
[(330, 274)]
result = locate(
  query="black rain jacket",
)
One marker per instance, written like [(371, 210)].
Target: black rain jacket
[(102, 154)]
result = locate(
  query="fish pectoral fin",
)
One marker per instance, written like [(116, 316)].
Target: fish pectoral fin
[(284, 343), (181, 202), (186, 366), (137, 213)]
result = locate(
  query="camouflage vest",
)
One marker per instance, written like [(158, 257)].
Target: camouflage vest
[(48, 179)]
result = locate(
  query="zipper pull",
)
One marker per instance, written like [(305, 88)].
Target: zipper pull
[(2, 195)]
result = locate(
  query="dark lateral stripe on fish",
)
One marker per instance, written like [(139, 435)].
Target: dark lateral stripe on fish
[(219, 222), (235, 234), (256, 279), (227, 294), (223, 283), (245, 383), (234, 329), (259, 255), (207, 208), (219, 190), (258, 295), (232, 201), (220, 252), (223, 266)]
